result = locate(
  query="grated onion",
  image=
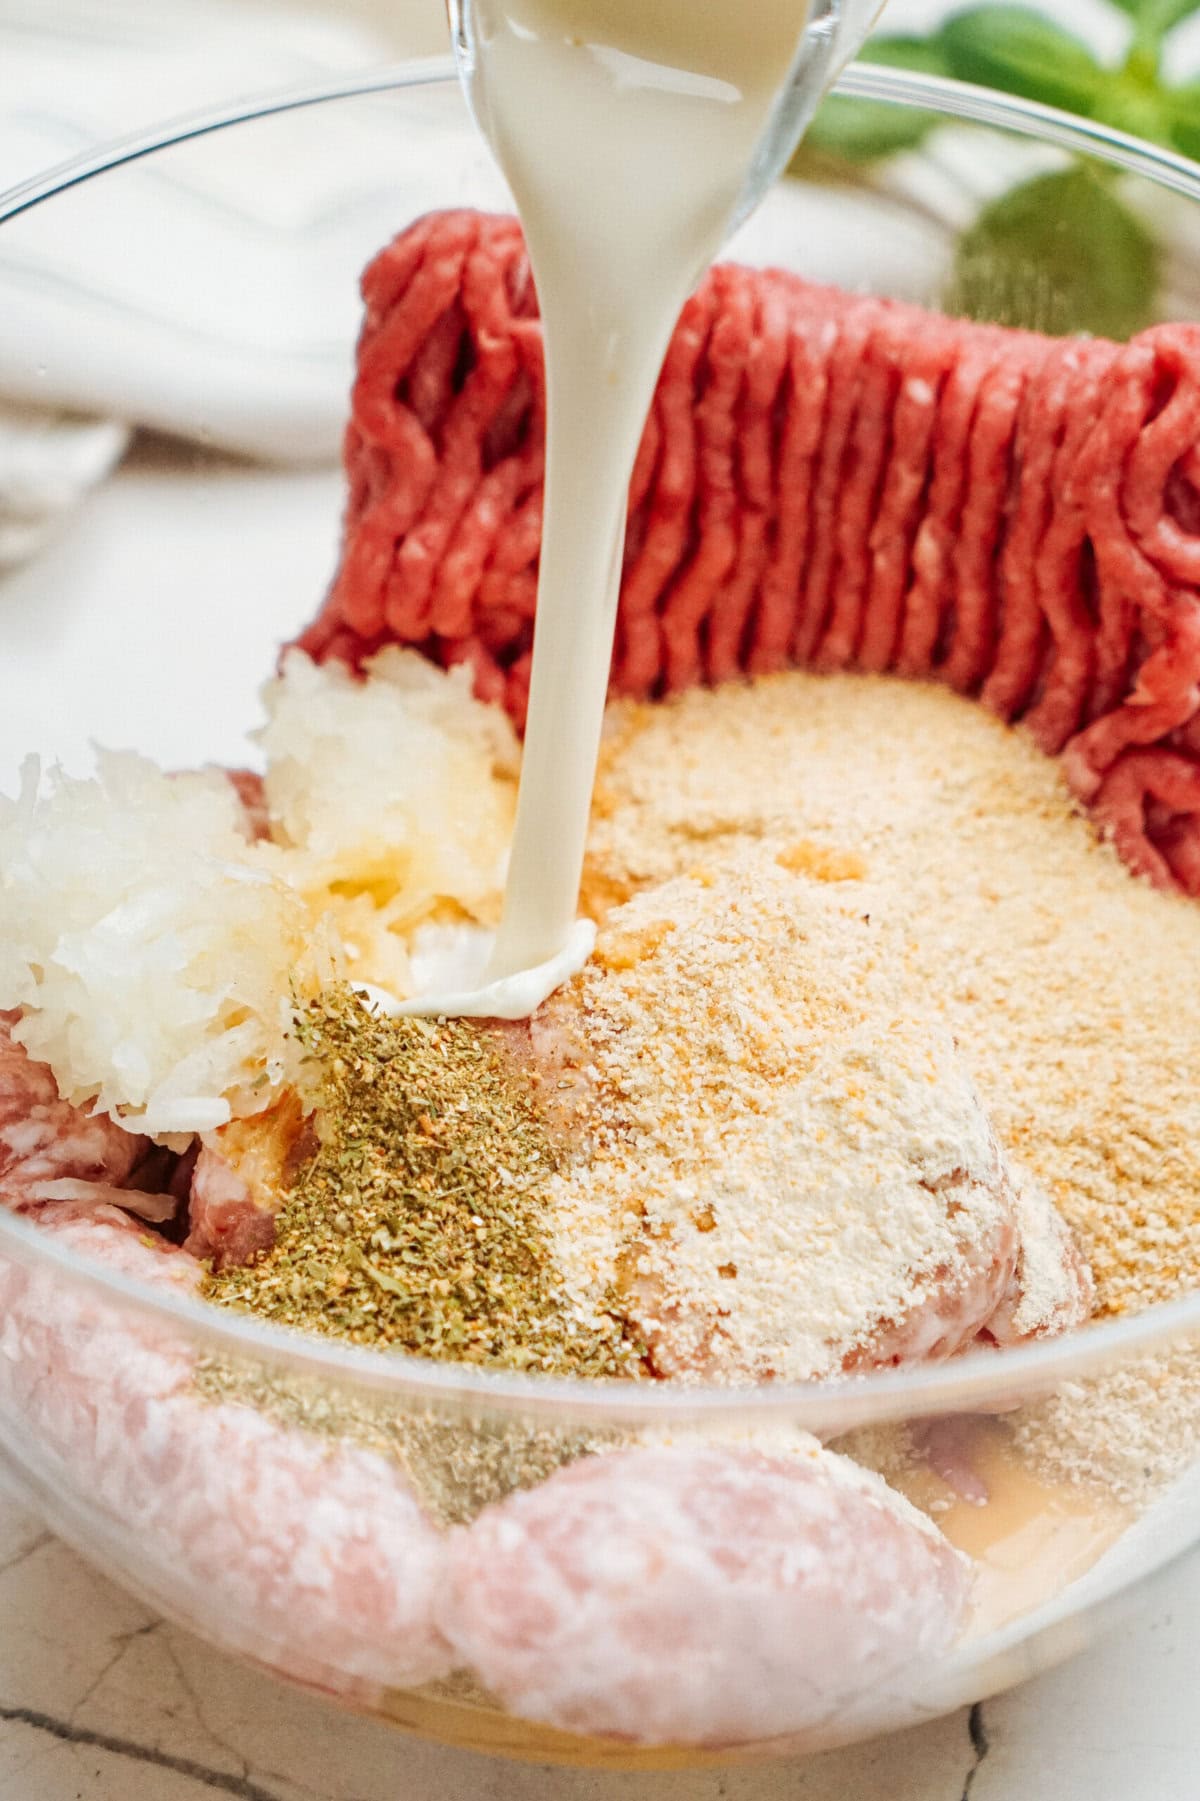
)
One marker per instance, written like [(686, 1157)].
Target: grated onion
[(398, 794), (156, 954), (152, 950)]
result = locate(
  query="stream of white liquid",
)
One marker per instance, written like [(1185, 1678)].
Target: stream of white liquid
[(630, 132)]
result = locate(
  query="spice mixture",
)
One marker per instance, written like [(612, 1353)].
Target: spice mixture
[(418, 1224), (457, 1465)]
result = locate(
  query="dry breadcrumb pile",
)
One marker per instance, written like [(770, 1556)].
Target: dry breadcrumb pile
[(1069, 986), (788, 1156)]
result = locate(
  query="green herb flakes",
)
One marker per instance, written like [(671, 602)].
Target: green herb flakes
[(419, 1222)]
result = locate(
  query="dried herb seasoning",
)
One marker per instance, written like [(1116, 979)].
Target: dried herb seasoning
[(419, 1223), (456, 1465)]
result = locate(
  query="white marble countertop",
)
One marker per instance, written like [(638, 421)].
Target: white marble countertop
[(101, 1701)]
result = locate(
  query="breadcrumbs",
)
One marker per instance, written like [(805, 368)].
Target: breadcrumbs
[(1069, 986), (783, 1158)]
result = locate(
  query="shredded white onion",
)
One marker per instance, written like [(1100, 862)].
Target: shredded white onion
[(154, 1208), (397, 795), (152, 950), (156, 954)]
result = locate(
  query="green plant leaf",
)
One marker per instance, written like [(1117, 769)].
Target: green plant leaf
[(1022, 52), (1156, 17), (1143, 111), (898, 51), (1058, 254), (858, 131), (1183, 114)]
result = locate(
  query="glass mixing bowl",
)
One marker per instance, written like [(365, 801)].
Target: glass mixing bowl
[(201, 283)]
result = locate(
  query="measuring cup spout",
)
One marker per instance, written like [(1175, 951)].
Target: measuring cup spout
[(833, 35)]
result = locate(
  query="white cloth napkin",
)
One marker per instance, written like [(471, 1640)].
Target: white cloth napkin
[(48, 461), (210, 291)]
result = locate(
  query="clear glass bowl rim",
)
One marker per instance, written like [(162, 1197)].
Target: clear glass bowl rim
[(969, 1382)]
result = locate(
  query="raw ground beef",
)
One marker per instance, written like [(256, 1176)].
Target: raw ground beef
[(824, 479)]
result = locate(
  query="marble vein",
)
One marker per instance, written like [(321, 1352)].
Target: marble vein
[(197, 1707), (240, 1787), (25, 1553), (122, 1640), (980, 1745)]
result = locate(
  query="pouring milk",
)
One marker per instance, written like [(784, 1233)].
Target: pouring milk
[(634, 134)]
